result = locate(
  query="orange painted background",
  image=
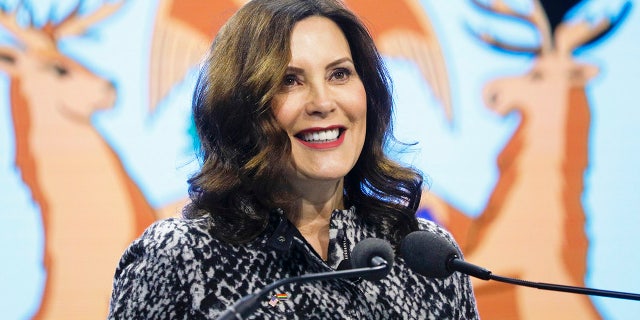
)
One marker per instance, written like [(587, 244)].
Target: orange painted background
[(524, 114)]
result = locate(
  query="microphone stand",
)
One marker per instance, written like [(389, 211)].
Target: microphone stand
[(460, 265), (249, 303)]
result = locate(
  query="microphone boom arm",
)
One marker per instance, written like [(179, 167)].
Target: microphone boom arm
[(457, 264), (570, 289)]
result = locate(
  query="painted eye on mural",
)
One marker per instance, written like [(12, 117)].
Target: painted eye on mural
[(535, 75), (576, 74), (60, 70), (7, 58)]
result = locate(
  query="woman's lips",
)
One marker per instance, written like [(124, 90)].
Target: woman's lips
[(322, 138)]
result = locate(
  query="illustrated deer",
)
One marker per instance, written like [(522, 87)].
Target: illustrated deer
[(533, 226), (91, 209)]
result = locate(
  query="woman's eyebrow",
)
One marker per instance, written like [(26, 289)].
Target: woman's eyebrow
[(298, 70), (339, 61)]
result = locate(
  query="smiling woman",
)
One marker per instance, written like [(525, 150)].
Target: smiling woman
[(293, 111), (323, 109)]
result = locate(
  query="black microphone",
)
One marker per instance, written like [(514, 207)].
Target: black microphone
[(371, 258), (434, 256)]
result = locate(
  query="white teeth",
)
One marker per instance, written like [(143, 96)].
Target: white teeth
[(321, 136)]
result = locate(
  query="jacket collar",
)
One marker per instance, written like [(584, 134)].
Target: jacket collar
[(282, 237)]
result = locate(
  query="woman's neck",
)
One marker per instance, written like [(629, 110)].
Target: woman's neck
[(311, 212)]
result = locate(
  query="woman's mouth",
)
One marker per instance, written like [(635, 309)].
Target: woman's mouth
[(322, 138)]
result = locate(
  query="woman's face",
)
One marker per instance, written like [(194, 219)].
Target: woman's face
[(322, 103)]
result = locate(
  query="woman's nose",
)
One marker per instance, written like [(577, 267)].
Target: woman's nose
[(320, 101)]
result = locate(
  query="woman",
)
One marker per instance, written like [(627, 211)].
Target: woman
[(293, 110)]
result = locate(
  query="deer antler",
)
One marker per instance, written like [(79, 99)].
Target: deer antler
[(572, 36), (45, 38), (29, 35), (9, 21), (537, 18), (494, 42), (73, 24)]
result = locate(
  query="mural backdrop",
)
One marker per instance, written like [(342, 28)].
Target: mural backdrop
[(521, 113)]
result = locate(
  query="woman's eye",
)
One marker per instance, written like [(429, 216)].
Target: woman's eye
[(341, 74), (289, 80)]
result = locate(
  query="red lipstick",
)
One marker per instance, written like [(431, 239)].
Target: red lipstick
[(306, 137)]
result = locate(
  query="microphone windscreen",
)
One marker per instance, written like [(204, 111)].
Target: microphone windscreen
[(427, 254), (366, 250)]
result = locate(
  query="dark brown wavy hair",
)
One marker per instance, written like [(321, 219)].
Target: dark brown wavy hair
[(243, 150)]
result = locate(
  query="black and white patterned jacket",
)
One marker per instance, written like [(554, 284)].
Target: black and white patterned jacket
[(178, 270)]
